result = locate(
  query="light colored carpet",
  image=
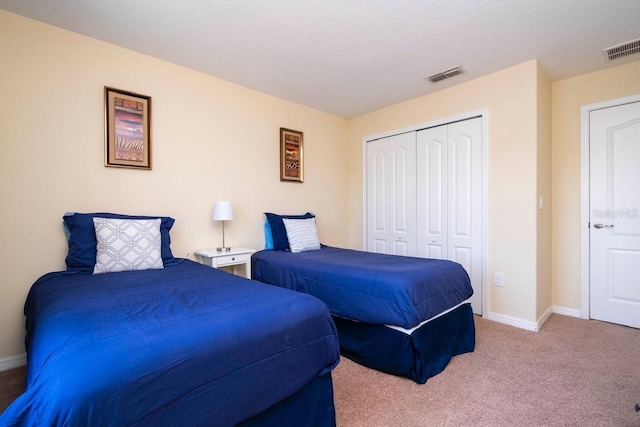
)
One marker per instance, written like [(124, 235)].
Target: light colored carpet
[(572, 373)]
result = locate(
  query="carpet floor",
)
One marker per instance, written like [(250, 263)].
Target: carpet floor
[(572, 372)]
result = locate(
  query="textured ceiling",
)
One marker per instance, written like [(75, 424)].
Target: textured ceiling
[(350, 57)]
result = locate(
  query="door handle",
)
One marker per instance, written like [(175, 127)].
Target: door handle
[(600, 225)]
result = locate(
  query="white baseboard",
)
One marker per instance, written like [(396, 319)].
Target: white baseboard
[(533, 326), (567, 311), (544, 317), (513, 321), (13, 362)]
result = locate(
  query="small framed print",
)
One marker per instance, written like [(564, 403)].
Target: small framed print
[(291, 155), (127, 129)]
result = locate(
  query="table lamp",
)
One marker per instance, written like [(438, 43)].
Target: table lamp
[(222, 211)]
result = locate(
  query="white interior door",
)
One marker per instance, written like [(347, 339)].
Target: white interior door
[(391, 189), (614, 234)]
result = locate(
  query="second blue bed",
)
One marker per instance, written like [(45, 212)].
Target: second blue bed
[(402, 315)]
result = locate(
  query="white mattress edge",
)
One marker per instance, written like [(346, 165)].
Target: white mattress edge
[(410, 331)]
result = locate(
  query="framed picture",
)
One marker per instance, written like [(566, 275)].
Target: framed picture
[(127, 129), (291, 155)]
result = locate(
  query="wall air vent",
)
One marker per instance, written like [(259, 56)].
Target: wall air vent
[(446, 74), (622, 50)]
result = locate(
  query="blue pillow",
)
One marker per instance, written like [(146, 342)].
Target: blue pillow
[(82, 240), (279, 233), (268, 237)]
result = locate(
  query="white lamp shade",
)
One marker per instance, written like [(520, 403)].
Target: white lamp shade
[(222, 211)]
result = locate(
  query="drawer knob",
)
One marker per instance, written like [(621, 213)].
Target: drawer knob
[(233, 259)]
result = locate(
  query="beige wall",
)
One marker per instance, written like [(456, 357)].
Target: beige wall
[(212, 140), (567, 98), (544, 190), (511, 97)]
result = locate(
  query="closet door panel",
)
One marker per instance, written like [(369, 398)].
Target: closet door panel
[(400, 248), (403, 194), (399, 188), (463, 256), (460, 186), (465, 201), (379, 191), (377, 165), (391, 206), (431, 197), (379, 246)]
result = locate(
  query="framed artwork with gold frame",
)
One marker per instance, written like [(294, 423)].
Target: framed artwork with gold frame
[(127, 129), (291, 155)]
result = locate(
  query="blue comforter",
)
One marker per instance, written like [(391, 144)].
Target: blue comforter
[(185, 345), (368, 287)]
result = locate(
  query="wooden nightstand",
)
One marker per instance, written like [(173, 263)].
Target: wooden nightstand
[(233, 258)]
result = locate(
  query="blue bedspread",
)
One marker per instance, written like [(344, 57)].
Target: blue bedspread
[(185, 345), (368, 287)]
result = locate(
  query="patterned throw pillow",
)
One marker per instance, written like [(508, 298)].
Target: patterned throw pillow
[(127, 245), (302, 234), (82, 238)]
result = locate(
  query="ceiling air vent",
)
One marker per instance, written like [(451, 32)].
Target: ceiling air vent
[(446, 74), (622, 50)]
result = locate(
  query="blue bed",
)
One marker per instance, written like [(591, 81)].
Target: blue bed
[(425, 301), (181, 345)]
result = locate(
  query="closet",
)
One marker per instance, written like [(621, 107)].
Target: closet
[(423, 196)]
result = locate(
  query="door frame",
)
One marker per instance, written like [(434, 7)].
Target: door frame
[(483, 113), (585, 216)]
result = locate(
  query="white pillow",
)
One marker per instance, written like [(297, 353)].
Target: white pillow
[(302, 234), (127, 245)]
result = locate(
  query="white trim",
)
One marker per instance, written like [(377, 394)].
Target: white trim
[(572, 312), (485, 209), (483, 113), (364, 194), (548, 312), (13, 362), (584, 212), (528, 325), (457, 118), (585, 215), (513, 321)]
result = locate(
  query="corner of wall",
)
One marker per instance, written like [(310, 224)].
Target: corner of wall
[(543, 202)]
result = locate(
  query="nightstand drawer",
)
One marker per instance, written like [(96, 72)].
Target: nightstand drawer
[(236, 257), (221, 261)]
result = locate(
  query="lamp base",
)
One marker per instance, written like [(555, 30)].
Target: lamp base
[(223, 249)]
